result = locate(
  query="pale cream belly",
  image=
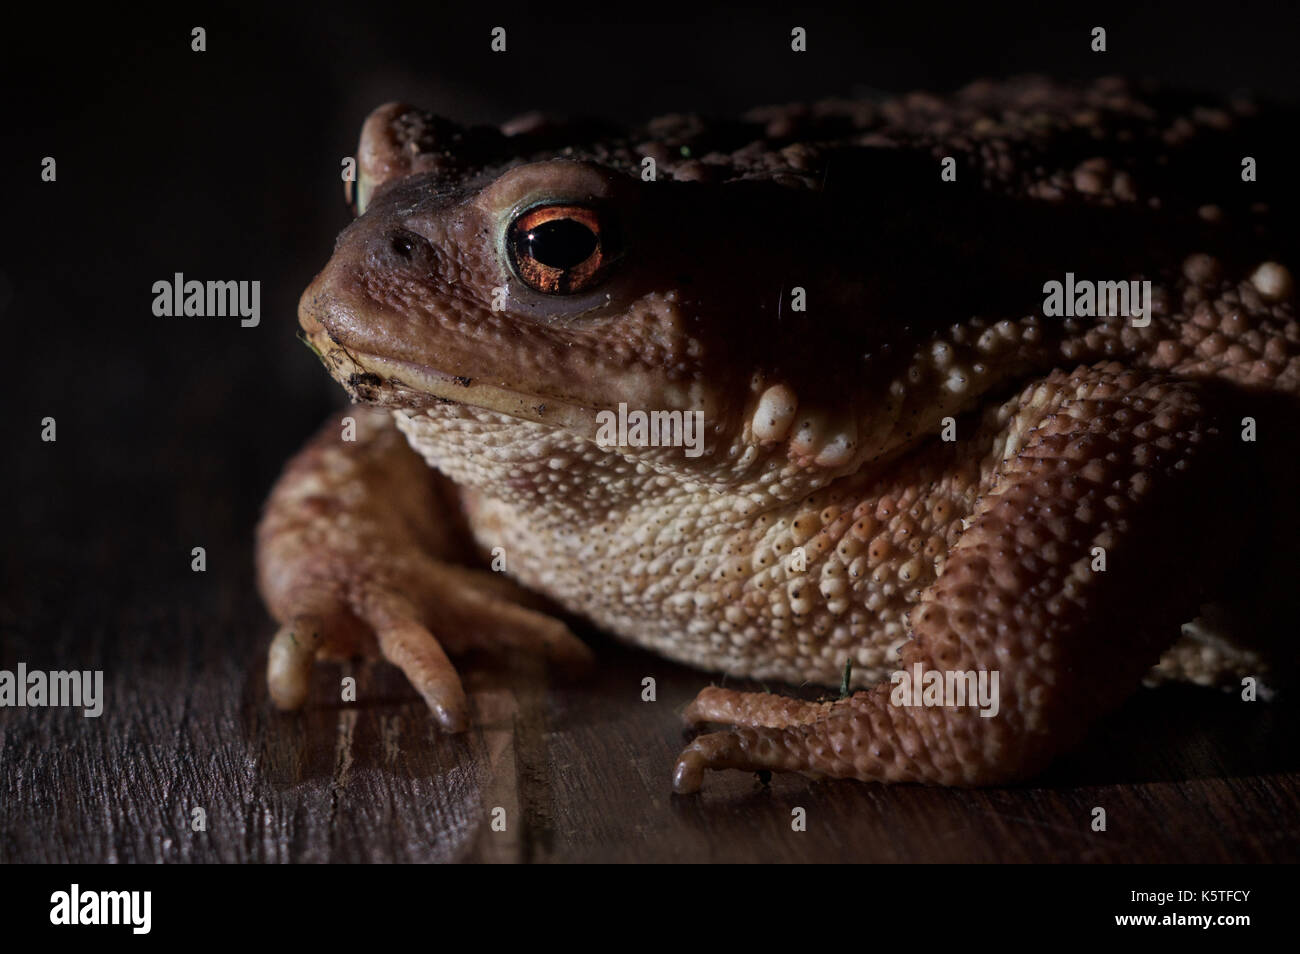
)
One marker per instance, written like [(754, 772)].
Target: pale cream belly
[(790, 595)]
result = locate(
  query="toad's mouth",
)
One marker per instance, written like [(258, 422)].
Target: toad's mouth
[(388, 382)]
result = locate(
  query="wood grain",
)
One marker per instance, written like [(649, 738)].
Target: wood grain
[(581, 770)]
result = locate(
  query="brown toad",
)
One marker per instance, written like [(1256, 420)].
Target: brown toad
[(910, 459)]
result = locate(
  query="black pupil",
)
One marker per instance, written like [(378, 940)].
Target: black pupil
[(560, 243)]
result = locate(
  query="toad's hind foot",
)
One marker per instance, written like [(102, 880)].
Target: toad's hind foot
[(348, 559), (1040, 636)]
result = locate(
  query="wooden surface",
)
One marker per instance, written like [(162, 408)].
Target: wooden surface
[(582, 770)]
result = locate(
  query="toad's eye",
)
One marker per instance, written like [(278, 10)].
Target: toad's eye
[(560, 249)]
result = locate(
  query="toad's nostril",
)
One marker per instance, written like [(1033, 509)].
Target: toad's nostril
[(403, 248), (402, 244)]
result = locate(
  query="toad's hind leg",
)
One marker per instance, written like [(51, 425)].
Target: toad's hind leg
[(1109, 458)]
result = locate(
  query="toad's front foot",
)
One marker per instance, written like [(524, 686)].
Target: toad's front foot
[(353, 559), (1112, 462)]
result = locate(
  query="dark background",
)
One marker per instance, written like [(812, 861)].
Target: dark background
[(225, 165)]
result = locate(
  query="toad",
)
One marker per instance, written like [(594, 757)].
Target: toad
[(908, 469)]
